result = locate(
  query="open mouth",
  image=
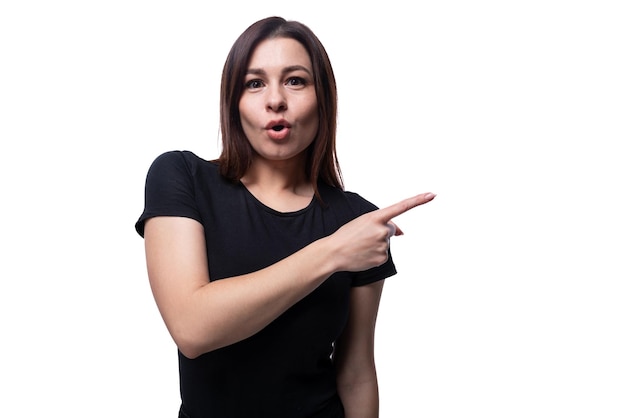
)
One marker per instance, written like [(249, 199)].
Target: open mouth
[(278, 128)]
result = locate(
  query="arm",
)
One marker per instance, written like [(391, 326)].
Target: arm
[(354, 354), (202, 315)]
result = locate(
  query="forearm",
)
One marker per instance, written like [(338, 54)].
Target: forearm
[(360, 400), (222, 312)]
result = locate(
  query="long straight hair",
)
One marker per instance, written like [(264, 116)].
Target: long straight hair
[(321, 156)]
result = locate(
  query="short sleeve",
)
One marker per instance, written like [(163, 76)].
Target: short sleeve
[(375, 274), (169, 189)]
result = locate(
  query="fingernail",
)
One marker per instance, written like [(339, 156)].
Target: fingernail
[(430, 195)]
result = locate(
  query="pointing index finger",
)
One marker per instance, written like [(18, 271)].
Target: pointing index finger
[(399, 208)]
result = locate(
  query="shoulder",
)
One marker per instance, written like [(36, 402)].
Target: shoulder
[(360, 203), (178, 158), (179, 162), (344, 200), (175, 182)]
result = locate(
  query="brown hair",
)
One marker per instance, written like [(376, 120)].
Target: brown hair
[(236, 155)]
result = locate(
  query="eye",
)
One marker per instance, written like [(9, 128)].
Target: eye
[(296, 81), (254, 84)]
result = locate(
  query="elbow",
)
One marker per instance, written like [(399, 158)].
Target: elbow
[(194, 349), (191, 351), (189, 345)]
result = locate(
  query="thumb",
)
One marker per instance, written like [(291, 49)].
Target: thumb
[(394, 230)]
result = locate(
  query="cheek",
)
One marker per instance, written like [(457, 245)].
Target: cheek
[(245, 114), (310, 115)]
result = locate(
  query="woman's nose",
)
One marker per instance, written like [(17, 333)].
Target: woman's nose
[(276, 100)]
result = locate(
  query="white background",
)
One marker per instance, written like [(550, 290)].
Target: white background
[(510, 297)]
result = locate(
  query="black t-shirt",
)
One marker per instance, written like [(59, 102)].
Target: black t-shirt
[(284, 370)]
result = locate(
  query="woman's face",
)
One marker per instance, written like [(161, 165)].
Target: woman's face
[(278, 106)]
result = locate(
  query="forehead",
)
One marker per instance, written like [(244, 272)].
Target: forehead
[(279, 52)]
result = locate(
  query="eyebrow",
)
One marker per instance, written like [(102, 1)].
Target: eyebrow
[(285, 70)]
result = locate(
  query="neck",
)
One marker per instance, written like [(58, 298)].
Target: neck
[(281, 185), (276, 175)]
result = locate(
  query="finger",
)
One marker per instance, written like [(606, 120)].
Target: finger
[(399, 208), (396, 231), (391, 229)]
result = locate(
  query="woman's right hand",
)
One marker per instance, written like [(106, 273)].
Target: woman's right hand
[(363, 243)]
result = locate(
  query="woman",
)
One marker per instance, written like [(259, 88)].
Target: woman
[(267, 273)]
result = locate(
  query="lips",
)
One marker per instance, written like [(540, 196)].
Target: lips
[(278, 125), (278, 129)]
